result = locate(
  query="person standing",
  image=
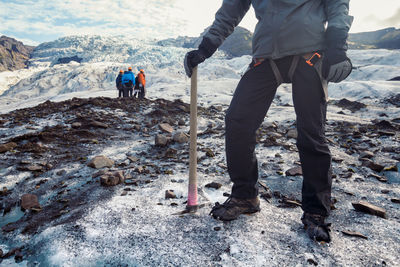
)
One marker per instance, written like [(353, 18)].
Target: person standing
[(128, 82), (141, 78), (118, 82), (291, 44)]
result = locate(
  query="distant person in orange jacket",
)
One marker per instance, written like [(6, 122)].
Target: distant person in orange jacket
[(141, 84)]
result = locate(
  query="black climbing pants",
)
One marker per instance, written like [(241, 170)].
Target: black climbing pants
[(126, 90), (249, 105), (120, 90)]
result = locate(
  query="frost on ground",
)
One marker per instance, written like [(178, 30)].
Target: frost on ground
[(86, 224), (83, 223)]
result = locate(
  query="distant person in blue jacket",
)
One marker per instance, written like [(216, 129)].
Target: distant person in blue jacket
[(118, 83), (128, 82)]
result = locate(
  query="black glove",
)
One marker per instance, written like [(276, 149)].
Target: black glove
[(336, 66), (192, 59), (195, 57)]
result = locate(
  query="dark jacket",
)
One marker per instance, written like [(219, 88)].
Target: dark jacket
[(285, 27), (118, 80)]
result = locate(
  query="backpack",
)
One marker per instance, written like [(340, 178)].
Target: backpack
[(127, 78)]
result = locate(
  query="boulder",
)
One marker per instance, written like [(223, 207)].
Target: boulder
[(160, 140), (180, 137), (7, 147), (29, 201), (99, 162)]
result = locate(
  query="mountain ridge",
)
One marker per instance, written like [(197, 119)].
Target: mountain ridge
[(388, 38), (14, 55)]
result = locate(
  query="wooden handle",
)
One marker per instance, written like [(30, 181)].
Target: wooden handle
[(192, 190)]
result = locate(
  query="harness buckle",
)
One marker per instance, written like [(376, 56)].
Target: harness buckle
[(313, 59)]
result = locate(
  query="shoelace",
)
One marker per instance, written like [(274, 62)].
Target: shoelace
[(218, 205)]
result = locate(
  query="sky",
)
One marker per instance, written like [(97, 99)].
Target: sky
[(37, 21)]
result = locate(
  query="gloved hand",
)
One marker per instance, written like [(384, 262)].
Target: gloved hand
[(195, 57), (192, 59), (336, 66)]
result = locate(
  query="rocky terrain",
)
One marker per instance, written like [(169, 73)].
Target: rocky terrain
[(14, 54), (112, 172)]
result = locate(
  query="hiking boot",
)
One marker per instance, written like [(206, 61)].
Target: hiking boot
[(233, 207), (316, 227)]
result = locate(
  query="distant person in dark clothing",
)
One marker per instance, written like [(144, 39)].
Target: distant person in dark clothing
[(128, 82), (137, 90), (118, 83)]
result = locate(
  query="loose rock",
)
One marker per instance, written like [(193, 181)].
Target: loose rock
[(29, 201), (180, 137), (350, 105), (209, 153), (378, 177), (181, 122), (170, 153), (214, 185), (99, 162), (160, 140), (112, 178), (76, 125), (366, 155), (132, 158), (295, 171), (372, 165), (292, 133), (98, 124), (170, 194), (355, 234), (366, 207), (395, 200), (7, 147), (166, 127)]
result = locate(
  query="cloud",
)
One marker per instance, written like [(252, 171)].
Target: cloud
[(394, 20), (44, 19)]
